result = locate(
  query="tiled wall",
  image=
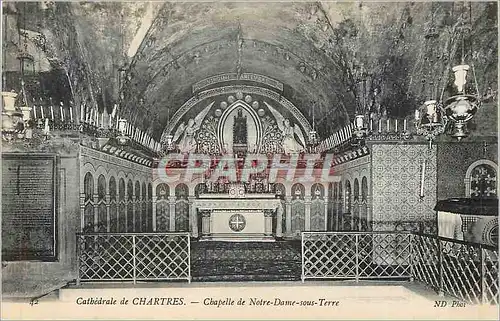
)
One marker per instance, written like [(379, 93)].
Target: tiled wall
[(396, 174), (454, 158)]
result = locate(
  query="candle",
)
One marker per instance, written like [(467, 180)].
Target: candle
[(62, 111), (46, 127), (396, 127), (388, 124), (82, 112), (71, 114), (380, 125), (422, 179), (371, 124), (417, 115), (34, 112), (404, 124), (52, 112), (102, 119), (41, 108)]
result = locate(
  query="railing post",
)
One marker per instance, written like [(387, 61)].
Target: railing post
[(356, 240), (77, 259), (134, 259), (189, 256), (482, 279), (440, 267), (411, 237), (302, 276)]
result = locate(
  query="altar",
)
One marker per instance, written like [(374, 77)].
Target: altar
[(254, 217)]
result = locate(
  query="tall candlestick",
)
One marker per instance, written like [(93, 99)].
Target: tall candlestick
[(34, 112), (404, 124), (82, 112), (422, 179), (52, 112), (371, 124), (41, 108), (61, 111), (380, 125), (70, 114), (388, 124), (396, 127)]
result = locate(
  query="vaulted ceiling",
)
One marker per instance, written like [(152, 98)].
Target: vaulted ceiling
[(317, 50)]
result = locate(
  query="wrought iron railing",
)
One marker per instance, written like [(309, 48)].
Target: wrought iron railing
[(356, 255), (133, 256), (468, 271)]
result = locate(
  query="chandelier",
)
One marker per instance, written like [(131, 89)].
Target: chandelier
[(435, 117), (313, 135)]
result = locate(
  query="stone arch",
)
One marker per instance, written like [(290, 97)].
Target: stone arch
[(225, 115), (470, 169)]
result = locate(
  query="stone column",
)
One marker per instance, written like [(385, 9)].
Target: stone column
[(307, 203), (268, 222), (369, 212), (108, 219), (326, 214), (96, 212), (172, 214), (205, 222), (82, 211), (134, 218), (279, 221), (153, 199), (193, 218), (288, 204), (361, 214)]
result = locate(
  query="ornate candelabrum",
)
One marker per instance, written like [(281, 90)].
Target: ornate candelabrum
[(15, 120), (122, 138), (429, 120), (360, 130)]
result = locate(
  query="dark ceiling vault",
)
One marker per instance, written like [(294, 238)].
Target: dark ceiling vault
[(319, 51)]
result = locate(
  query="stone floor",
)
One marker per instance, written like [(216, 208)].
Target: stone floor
[(245, 261)]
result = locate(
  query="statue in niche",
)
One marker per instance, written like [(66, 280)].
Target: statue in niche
[(240, 128), (240, 132), (290, 144)]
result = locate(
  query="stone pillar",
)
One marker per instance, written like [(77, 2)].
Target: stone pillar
[(172, 214), (153, 199), (307, 218), (134, 201), (268, 222), (361, 214), (96, 212), (108, 219), (369, 212), (193, 218), (82, 211), (279, 221), (288, 204), (205, 222), (326, 214)]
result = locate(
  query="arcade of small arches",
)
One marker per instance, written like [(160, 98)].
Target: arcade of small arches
[(113, 202)]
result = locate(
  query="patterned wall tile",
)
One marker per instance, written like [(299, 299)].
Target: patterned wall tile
[(454, 159), (396, 183)]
